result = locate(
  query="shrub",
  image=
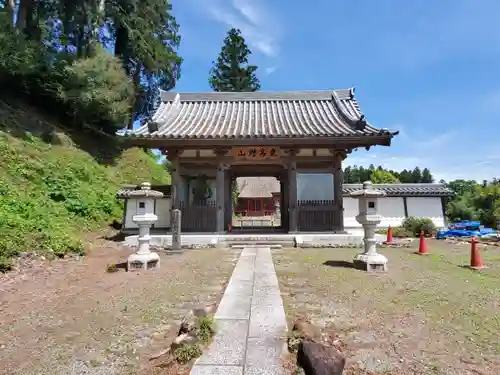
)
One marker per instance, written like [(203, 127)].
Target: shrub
[(415, 225), (19, 58), (205, 328), (185, 353), (398, 232), (97, 91)]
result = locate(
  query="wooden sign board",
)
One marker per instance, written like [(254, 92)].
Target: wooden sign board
[(256, 153)]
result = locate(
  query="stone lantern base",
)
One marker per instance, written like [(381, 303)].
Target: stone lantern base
[(371, 262), (143, 261)]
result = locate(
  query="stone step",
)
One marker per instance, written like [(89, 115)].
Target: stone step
[(242, 246), (259, 243)]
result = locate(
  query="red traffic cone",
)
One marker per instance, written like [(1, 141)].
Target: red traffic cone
[(475, 257), (422, 247), (389, 235)]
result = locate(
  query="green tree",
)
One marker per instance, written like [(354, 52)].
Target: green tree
[(416, 175), (347, 175), (105, 98), (143, 34), (232, 72), (146, 39), (461, 187), (383, 177), (461, 208), (427, 176), (405, 176), (487, 202)]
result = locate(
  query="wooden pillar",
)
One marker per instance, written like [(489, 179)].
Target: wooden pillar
[(293, 218), (405, 206), (228, 202), (285, 214), (176, 182), (187, 191), (221, 191), (338, 199)]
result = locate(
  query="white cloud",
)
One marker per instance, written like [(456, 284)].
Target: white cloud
[(270, 70), (258, 24), (449, 156)]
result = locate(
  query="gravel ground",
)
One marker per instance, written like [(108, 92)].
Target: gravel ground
[(71, 317), (427, 315)]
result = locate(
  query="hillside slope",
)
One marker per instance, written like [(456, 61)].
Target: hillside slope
[(55, 185)]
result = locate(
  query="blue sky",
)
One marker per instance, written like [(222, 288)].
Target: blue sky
[(430, 69)]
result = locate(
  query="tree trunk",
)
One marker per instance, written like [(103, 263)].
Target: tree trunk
[(136, 79), (22, 13), (121, 47), (11, 6)]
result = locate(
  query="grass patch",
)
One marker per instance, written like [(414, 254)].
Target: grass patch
[(52, 193), (422, 301)]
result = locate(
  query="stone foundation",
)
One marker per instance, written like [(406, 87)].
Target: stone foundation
[(353, 239)]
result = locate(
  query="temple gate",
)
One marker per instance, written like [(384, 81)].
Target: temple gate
[(212, 138)]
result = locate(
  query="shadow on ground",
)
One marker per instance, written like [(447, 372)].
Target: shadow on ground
[(20, 116), (117, 237), (339, 264)]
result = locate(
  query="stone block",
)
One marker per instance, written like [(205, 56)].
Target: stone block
[(176, 230), (216, 370), (264, 352), (228, 345), (234, 306), (267, 321), (319, 359)]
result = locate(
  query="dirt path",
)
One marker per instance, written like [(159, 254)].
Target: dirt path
[(426, 316), (72, 317)]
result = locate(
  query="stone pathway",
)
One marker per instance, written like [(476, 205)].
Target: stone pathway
[(251, 323)]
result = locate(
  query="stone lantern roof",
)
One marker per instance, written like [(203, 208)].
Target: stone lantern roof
[(144, 192), (368, 191)]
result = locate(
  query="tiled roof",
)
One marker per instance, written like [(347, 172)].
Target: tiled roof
[(257, 187), (226, 115), (261, 187), (402, 190)]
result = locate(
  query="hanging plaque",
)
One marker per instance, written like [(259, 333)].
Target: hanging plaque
[(257, 153)]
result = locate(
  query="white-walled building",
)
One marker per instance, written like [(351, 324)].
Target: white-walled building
[(401, 201)]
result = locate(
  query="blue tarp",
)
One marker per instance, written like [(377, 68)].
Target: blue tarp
[(465, 228)]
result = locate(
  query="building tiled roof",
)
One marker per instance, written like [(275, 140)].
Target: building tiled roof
[(226, 115), (404, 190), (262, 187), (257, 187)]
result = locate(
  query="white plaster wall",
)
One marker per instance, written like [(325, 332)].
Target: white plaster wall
[(162, 210), (130, 210), (429, 207), (391, 209)]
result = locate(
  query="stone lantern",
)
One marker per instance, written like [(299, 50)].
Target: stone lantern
[(144, 218), (368, 217)]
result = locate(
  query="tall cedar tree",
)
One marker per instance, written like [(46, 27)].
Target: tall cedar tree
[(231, 72), (143, 34)]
